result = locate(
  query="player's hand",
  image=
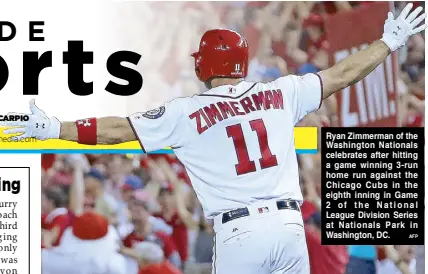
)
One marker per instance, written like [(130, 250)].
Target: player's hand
[(397, 31), (38, 125)]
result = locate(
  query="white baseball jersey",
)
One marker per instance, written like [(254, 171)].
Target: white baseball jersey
[(236, 142)]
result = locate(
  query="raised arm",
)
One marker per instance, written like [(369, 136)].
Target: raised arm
[(357, 66), (353, 69), (180, 195), (77, 188)]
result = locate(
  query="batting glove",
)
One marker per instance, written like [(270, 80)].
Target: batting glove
[(38, 125), (397, 31)]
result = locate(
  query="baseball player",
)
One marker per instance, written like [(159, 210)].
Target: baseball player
[(236, 143)]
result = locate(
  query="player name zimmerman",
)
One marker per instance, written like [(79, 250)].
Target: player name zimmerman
[(208, 116)]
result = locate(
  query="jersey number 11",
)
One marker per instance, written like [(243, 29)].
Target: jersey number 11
[(245, 165)]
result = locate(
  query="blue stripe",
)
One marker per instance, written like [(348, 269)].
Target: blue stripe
[(306, 151), (107, 151)]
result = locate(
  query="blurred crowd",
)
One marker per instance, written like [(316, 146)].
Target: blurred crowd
[(149, 201), (146, 200), (158, 224), (283, 37)]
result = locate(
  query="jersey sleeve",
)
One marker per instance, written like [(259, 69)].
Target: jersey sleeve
[(159, 128), (304, 93)]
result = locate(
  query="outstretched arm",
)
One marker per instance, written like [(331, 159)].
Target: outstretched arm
[(110, 130), (357, 66), (106, 130), (155, 129)]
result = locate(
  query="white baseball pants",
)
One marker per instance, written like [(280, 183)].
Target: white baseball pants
[(269, 241)]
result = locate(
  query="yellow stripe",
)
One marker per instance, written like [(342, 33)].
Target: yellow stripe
[(304, 138)]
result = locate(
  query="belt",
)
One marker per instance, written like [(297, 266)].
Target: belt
[(243, 212)]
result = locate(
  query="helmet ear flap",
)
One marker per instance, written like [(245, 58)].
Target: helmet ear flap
[(197, 56)]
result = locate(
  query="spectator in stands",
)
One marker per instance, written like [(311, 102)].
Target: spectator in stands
[(113, 168), (57, 214), (317, 47), (174, 211), (151, 260), (256, 66), (143, 231), (415, 60), (60, 174), (131, 184), (167, 200), (400, 260), (105, 204), (55, 217), (253, 29), (89, 246), (266, 64)]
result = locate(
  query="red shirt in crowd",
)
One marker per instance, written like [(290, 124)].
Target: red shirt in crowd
[(47, 161), (315, 46), (162, 268), (279, 48), (328, 259), (414, 119), (59, 218), (158, 237), (179, 234)]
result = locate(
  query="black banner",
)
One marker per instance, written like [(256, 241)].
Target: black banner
[(373, 186)]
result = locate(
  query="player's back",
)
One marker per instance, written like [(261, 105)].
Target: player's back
[(242, 145), (235, 141)]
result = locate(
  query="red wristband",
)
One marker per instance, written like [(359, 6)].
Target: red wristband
[(87, 131)]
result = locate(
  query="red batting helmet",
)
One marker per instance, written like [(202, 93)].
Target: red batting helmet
[(222, 53)]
